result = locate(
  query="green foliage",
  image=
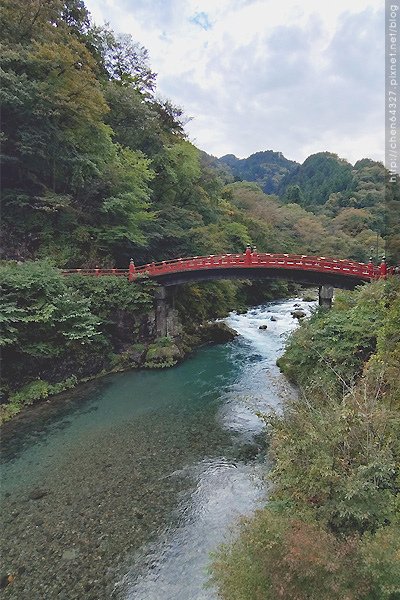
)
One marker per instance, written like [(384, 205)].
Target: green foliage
[(32, 392), (53, 325), (278, 556), (381, 565), (125, 61), (107, 293), (267, 168), (291, 228), (127, 210), (337, 461), (67, 187), (40, 315), (358, 199), (329, 351), (346, 361), (202, 302), (162, 353), (319, 176), (39, 389)]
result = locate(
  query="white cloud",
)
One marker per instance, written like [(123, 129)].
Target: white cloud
[(298, 77)]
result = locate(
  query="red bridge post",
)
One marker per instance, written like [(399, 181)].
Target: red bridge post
[(132, 270), (383, 269), (371, 270), (247, 255)]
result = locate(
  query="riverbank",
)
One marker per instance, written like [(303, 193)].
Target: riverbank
[(331, 527), (123, 486), (159, 354), (59, 332)]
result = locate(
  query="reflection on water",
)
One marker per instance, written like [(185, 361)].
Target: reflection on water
[(121, 488)]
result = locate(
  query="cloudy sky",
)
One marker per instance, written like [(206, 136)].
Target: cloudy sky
[(292, 76)]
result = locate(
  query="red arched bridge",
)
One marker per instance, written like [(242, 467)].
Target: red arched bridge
[(314, 270)]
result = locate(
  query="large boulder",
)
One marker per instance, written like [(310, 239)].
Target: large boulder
[(298, 313), (219, 332)]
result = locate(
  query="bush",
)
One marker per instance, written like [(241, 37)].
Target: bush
[(30, 393), (328, 352), (277, 556), (40, 314), (55, 326)]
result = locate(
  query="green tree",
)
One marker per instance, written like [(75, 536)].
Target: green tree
[(128, 208), (126, 61), (38, 311)]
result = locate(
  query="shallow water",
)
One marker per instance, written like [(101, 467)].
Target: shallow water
[(121, 489)]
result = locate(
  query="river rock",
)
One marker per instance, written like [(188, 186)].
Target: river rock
[(37, 493), (219, 332), (298, 314), (263, 327), (162, 353), (137, 354), (248, 452), (70, 554)]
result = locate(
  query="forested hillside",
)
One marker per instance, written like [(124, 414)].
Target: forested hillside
[(267, 168), (357, 200), (97, 168)]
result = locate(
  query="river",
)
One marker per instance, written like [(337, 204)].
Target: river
[(122, 488)]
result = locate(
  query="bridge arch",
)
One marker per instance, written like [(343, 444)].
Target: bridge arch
[(310, 270)]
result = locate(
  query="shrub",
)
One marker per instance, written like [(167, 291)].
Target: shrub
[(277, 556)]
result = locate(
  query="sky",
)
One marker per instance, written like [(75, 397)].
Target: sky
[(284, 75)]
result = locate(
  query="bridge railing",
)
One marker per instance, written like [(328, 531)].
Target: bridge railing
[(249, 260), (300, 262), (96, 272)]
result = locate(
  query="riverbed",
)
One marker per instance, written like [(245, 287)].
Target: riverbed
[(122, 488)]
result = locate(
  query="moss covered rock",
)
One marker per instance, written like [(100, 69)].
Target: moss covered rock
[(162, 353)]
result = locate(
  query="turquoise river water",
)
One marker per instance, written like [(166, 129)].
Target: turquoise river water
[(122, 488)]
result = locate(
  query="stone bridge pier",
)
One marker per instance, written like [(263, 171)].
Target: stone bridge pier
[(161, 310), (167, 320), (325, 296)]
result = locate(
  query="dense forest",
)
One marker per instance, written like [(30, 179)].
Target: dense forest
[(357, 200), (97, 168), (267, 168)]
